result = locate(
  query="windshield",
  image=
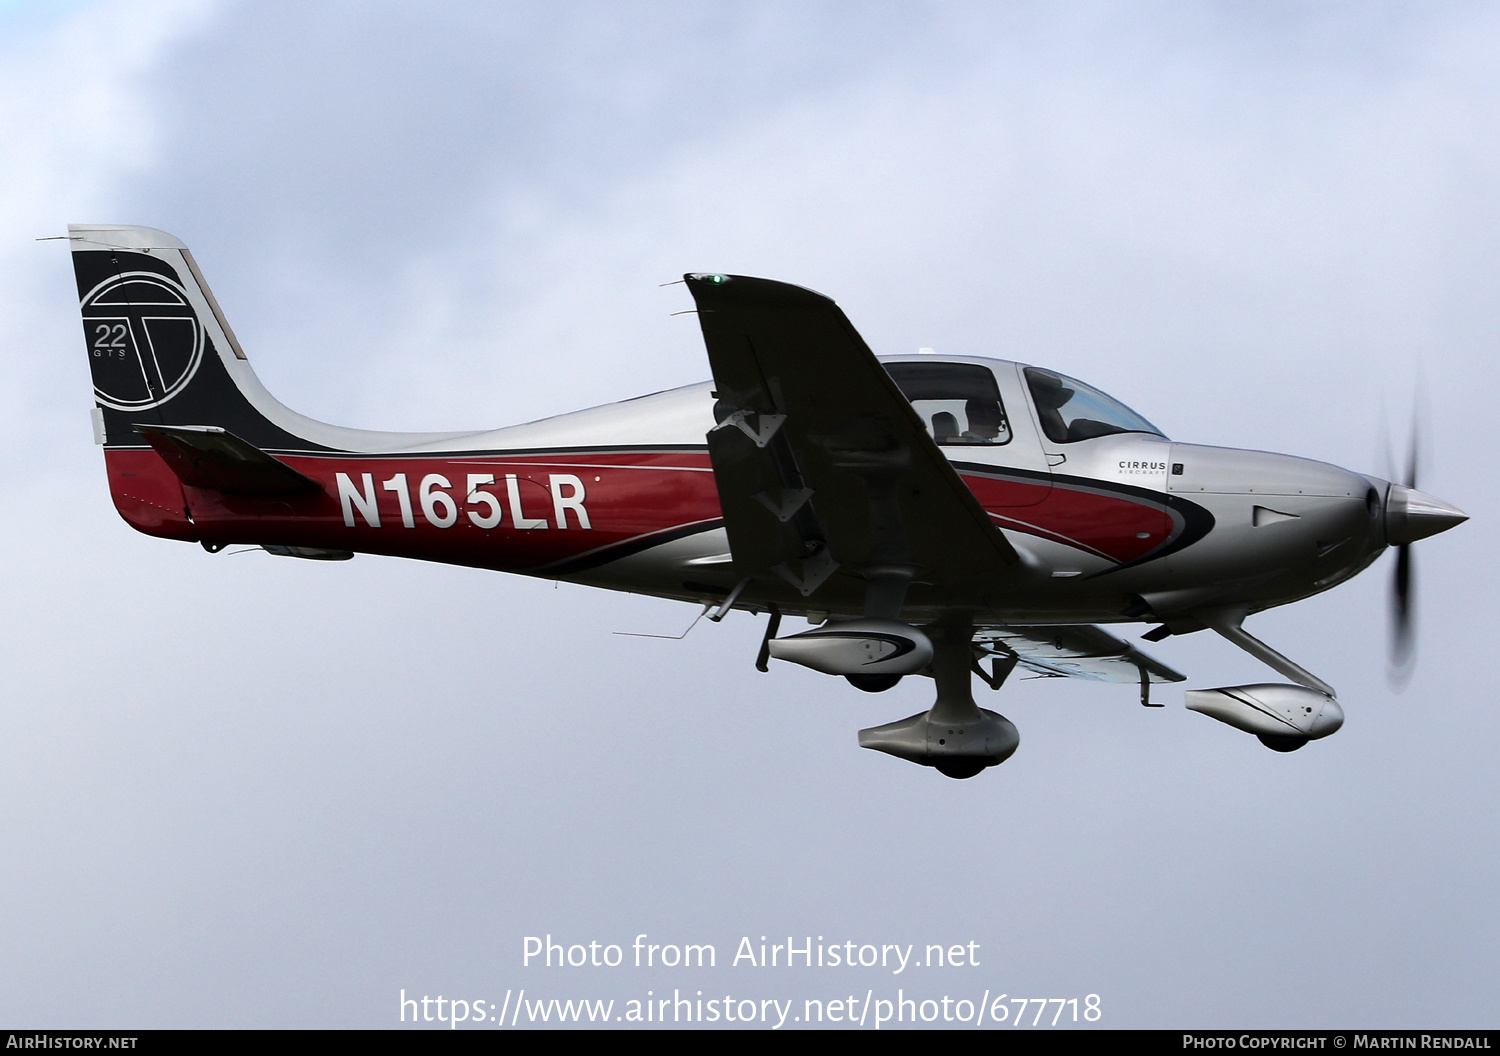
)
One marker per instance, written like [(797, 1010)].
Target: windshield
[(1070, 411), (959, 402)]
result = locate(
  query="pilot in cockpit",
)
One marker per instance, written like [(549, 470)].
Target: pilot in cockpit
[(986, 421)]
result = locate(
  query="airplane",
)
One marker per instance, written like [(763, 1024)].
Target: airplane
[(954, 517)]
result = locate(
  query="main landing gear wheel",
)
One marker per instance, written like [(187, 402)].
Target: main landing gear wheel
[(873, 683), (961, 767), (955, 737)]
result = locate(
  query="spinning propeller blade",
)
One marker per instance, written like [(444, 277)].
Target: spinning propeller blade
[(1409, 516), (1403, 625)]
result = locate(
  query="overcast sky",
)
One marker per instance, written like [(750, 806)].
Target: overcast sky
[(239, 790)]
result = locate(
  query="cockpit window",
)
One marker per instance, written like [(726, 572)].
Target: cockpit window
[(958, 402), (1070, 410)]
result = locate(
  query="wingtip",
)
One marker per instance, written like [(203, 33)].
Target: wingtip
[(747, 288)]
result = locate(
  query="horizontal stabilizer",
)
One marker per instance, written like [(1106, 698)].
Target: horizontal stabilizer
[(206, 456), (309, 553)]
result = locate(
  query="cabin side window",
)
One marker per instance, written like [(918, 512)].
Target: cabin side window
[(958, 402)]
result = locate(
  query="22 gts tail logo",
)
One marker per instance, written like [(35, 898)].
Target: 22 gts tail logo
[(145, 342)]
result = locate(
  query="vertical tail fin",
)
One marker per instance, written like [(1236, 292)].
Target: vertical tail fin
[(160, 350), (176, 403), (162, 355)]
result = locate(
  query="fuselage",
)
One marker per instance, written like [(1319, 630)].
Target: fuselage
[(925, 513), (1121, 526)]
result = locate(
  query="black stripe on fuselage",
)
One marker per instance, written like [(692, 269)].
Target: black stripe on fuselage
[(615, 551)]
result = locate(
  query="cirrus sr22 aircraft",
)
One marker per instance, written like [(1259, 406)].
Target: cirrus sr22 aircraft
[(929, 515)]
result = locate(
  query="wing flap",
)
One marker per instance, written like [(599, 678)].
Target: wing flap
[(1075, 652)]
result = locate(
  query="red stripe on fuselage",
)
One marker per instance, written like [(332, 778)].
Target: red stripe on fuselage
[(623, 496), (1119, 527), (626, 495)]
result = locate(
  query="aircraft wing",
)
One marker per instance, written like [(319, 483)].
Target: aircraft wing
[(1074, 652), (820, 460)]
